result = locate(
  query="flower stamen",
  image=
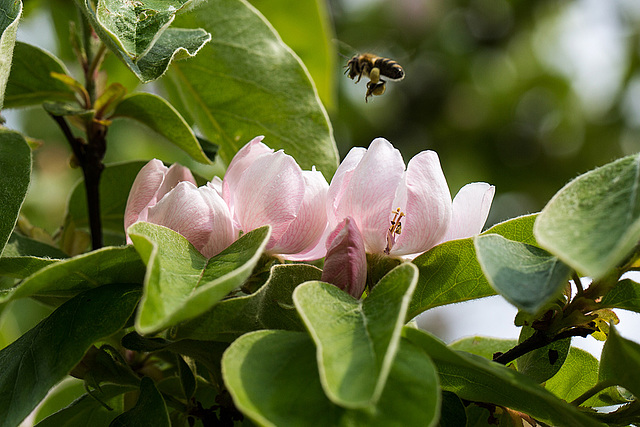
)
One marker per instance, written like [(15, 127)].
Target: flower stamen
[(395, 229)]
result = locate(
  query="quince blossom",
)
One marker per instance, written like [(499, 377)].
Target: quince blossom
[(263, 186), (169, 197), (152, 182), (399, 212)]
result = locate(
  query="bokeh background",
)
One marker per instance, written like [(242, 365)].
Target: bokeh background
[(523, 95)]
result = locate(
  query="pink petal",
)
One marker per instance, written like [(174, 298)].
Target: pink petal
[(470, 210), (370, 192), (346, 263), (216, 184), (199, 214), (316, 252), (341, 179), (270, 191), (144, 192), (424, 197), (240, 162), (305, 231), (176, 173)]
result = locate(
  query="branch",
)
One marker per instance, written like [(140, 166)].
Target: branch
[(538, 340)]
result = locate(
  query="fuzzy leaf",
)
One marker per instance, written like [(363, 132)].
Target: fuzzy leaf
[(450, 272), (137, 33), (11, 11), (477, 379), (68, 277), (160, 116), (271, 307), (356, 353), (44, 355), (180, 283), (526, 276), (273, 379), (593, 223), (30, 81), (15, 164)]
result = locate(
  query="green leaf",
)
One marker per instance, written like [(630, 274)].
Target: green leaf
[(43, 356), (24, 256), (578, 374), (68, 277), (30, 81), (450, 272), (525, 275), (115, 183), (355, 354), (477, 379), (11, 11), (15, 164), (180, 283), (452, 413), (620, 362), (247, 82), (187, 379), (518, 229), (483, 346), (88, 407), (273, 379), (137, 33), (625, 295), (311, 41), (135, 27), (271, 307), (593, 223), (150, 409), (159, 115), (542, 363)]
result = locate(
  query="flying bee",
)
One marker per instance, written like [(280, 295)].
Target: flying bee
[(374, 67)]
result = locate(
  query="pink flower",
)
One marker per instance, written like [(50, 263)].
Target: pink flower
[(346, 262), (399, 212), (169, 197), (152, 182), (199, 214), (265, 187), (470, 210)]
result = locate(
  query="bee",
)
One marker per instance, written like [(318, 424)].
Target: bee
[(374, 67)]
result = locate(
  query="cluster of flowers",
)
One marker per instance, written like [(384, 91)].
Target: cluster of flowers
[(373, 205)]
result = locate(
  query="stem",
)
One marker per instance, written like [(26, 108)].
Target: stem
[(592, 391), (538, 340), (89, 156)]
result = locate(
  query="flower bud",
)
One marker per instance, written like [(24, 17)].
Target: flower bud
[(153, 181), (346, 263)]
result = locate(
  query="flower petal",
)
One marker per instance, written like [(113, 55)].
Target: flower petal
[(240, 162), (470, 210), (370, 192), (143, 191), (305, 231), (424, 197), (199, 214), (346, 263), (270, 191), (176, 173), (341, 179)]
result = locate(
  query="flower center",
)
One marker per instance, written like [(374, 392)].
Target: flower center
[(395, 229)]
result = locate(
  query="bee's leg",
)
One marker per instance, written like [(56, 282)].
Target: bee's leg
[(379, 88)]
